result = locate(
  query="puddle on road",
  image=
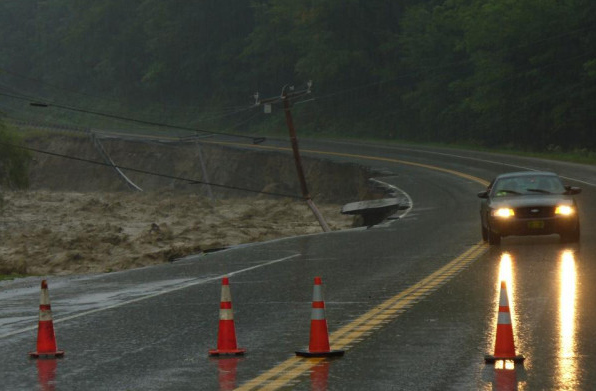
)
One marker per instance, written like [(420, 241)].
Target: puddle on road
[(12, 315), (562, 267), (567, 366)]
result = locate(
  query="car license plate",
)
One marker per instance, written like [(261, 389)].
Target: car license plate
[(536, 224)]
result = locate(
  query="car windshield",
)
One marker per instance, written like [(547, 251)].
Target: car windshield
[(528, 184)]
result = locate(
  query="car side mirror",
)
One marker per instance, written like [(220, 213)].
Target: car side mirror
[(572, 190), (483, 194)]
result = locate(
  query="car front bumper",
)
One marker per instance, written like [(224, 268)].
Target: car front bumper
[(542, 226)]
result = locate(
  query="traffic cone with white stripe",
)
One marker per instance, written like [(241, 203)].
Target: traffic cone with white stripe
[(46, 339), (504, 344), (226, 336), (319, 337)]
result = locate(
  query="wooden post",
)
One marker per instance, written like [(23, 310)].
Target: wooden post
[(298, 160)]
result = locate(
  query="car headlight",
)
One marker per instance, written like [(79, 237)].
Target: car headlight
[(564, 210), (503, 212)]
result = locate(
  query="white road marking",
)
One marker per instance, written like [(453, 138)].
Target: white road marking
[(397, 189), (188, 285)]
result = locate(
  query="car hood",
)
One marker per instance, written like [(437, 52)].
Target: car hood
[(531, 200)]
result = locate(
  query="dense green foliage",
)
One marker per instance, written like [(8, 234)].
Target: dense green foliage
[(13, 161), (515, 73)]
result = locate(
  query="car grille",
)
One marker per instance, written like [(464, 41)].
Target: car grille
[(535, 212)]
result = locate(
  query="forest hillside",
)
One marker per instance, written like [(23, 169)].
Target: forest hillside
[(493, 73)]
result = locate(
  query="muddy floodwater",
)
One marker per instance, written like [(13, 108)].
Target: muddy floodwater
[(43, 232)]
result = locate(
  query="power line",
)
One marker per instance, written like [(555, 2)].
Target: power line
[(440, 68), (36, 103), (191, 181)]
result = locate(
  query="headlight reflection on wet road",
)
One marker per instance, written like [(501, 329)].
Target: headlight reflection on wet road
[(505, 364), (567, 375), (506, 274), (505, 377)]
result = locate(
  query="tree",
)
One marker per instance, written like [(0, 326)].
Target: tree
[(502, 72), (14, 161)]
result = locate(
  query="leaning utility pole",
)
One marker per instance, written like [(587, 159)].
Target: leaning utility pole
[(285, 98)]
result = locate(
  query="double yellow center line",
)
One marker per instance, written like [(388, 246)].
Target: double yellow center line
[(356, 156), (344, 338)]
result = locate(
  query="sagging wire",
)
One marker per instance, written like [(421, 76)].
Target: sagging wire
[(255, 140), (174, 177)]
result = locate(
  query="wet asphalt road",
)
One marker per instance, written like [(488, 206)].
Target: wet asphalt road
[(150, 329)]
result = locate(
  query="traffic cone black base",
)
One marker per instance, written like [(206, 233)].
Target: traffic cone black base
[(233, 352), (56, 354), (492, 359), (331, 353)]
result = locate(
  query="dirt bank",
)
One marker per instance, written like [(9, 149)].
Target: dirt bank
[(83, 218), (250, 168)]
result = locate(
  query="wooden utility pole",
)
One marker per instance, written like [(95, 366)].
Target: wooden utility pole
[(285, 98)]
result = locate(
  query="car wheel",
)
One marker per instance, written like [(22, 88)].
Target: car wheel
[(571, 236), (484, 233), (493, 237)]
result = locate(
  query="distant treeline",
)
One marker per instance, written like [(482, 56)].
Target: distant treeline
[(519, 73)]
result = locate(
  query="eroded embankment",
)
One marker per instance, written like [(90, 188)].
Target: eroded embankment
[(80, 218), (257, 170)]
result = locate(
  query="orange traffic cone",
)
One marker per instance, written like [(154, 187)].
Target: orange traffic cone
[(504, 345), (319, 338), (226, 336), (46, 340)]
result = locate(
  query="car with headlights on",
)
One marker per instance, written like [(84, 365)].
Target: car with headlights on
[(529, 203)]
